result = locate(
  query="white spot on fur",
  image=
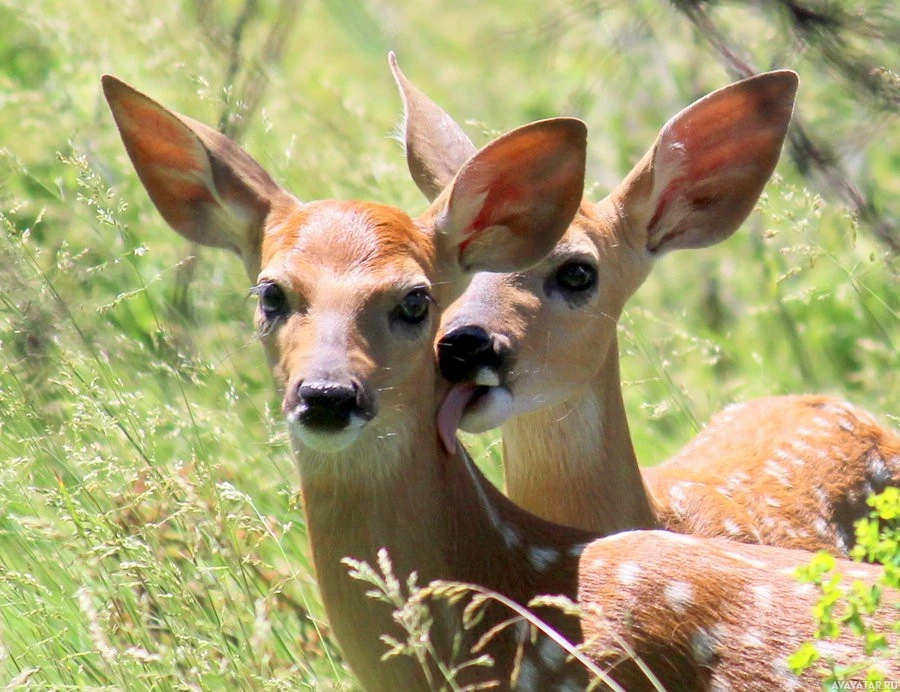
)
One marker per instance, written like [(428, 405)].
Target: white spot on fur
[(678, 495), (824, 424), (798, 444), (841, 409), (841, 653), (753, 638), (781, 455), (553, 656), (784, 675), (510, 536), (576, 550), (704, 644), (718, 684), (878, 470), (679, 595), (822, 528), (628, 573), (750, 562), (838, 453), (801, 589), (842, 542), (673, 537), (732, 528), (622, 536), (772, 502), (736, 480), (570, 685), (847, 425), (529, 676), (543, 559), (777, 471), (762, 595), (742, 476)]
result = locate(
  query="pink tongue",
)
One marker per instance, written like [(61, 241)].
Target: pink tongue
[(451, 411)]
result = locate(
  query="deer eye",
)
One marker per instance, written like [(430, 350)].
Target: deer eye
[(576, 277), (413, 308), (272, 300)]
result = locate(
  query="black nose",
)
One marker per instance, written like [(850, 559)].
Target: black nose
[(463, 351), (330, 405)]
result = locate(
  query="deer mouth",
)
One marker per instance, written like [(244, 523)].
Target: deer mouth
[(325, 438), (328, 414), (473, 408)]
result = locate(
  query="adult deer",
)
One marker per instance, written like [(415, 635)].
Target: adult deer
[(349, 304), (792, 471)]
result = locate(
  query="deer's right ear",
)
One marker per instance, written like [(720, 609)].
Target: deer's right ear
[(511, 202), (436, 147), (205, 186)]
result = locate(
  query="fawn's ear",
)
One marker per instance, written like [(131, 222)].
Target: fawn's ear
[(513, 200), (436, 147), (709, 164), (205, 186)]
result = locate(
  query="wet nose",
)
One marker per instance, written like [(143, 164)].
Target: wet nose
[(466, 350), (331, 405)]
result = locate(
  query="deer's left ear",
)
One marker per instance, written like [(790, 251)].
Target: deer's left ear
[(205, 186), (436, 147), (513, 200)]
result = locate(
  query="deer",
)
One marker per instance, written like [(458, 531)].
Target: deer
[(349, 299), (539, 349)]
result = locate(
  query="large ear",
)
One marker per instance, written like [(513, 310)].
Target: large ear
[(709, 164), (205, 186), (436, 147), (511, 202)]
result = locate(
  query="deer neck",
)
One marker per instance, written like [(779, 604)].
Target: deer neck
[(435, 514), (579, 449)]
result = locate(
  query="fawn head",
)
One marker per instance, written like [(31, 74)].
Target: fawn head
[(350, 293), (538, 337)]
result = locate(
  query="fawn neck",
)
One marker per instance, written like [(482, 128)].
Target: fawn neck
[(561, 450), (437, 515)]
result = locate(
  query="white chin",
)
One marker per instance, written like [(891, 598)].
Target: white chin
[(329, 442), (490, 410)]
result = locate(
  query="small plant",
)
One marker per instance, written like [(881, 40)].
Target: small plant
[(843, 608), (412, 613)]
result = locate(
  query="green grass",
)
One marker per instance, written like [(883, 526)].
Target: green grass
[(150, 533)]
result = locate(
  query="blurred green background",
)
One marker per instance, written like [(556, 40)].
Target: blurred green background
[(150, 534)]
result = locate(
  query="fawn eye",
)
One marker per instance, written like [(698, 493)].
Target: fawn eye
[(272, 300), (413, 309), (575, 277)]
